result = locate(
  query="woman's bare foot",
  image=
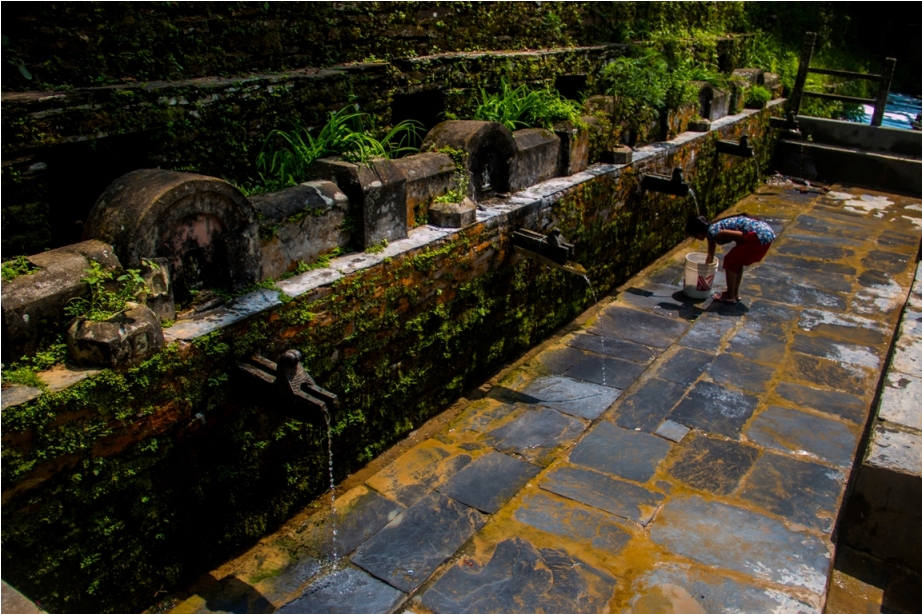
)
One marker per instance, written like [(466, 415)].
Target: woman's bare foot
[(723, 298)]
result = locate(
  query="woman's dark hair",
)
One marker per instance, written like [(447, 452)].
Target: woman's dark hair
[(696, 225)]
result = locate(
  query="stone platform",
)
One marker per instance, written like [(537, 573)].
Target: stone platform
[(660, 454)]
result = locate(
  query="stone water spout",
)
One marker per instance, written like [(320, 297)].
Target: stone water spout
[(285, 385), (674, 185), (552, 250), (742, 149)]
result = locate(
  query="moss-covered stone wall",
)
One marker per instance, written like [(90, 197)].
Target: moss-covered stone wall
[(113, 491)]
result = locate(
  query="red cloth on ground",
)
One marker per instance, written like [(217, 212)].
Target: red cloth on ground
[(747, 251)]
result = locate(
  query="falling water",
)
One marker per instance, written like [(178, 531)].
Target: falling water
[(691, 193), (598, 311), (326, 417)]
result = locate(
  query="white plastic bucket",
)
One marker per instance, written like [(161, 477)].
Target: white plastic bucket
[(699, 277)]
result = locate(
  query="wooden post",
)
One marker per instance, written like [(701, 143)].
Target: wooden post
[(806, 54), (883, 90)]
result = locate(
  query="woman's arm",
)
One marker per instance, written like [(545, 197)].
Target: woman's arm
[(723, 236), (712, 247)]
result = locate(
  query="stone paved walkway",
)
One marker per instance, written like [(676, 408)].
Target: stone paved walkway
[(665, 455)]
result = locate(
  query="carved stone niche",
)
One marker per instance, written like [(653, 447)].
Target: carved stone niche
[(490, 150), (536, 158), (429, 175), (573, 153), (205, 228), (712, 102), (33, 304), (300, 223), (377, 191)]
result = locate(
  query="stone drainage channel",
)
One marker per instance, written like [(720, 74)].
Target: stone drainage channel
[(706, 475)]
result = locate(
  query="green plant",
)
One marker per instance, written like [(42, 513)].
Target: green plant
[(286, 155), (102, 303), (757, 95), (19, 265), (523, 107), (25, 370), (377, 247)]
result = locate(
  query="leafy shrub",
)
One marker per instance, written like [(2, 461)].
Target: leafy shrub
[(523, 107), (17, 266), (102, 302), (757, 95), (286, 156)]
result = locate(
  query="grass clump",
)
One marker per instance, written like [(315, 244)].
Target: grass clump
[(524, 107), (757, 96), (16, 267), (25, 370), (103, 303), (286, 155)]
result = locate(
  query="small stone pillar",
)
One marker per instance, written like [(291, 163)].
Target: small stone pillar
[(378, 193), (536, 158), (573, 155), (126, 340), (453, 215)]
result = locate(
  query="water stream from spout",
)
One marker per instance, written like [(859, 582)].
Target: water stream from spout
[(691, 193), (326, 417), (598, 311)]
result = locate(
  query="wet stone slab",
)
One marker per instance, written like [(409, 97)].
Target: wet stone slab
[(602, 492), (732, 538), (837, 351), (888, 262), (481, 415), (646, 407), (835, 269), (842, 228), (346, 591), (681, 588), (489, 482), (660, 299), (521, 579), (851, 379), (819, 279), (771, 317), (536, 434), (610, 372), (794, 431), (358, 516), (581, 399), (418, 472), (846, 327), (813, 249), (673, 431), (715, 409), (713, 465), (406, 552), (630, 455), (558, 360), (750, 342), (685, 366), (634, 325), (624, 350), (670, 275), (573, 521), (833, 402), (292, 579), (801, 492), (740, 373), (823, 239), (791, 293), (706, 333)]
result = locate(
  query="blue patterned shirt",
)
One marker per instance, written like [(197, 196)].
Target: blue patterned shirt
[(743, 224)]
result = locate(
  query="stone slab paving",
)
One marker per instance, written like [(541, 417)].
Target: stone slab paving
[(661, 455)]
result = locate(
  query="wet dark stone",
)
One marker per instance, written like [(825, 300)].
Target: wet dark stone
[(478, 420), (625, 350), (871, 278), (740, 373), (489, 482), (559, 360), (851, 379), (606, 371), (664, 300), (354, 524), (645, 408), (413, 545), (230, 594), (685, 366), (843, 227), (894, 238), (345, 591), (813, 250), (888, 262), (707, 332), (520, 579), (824, 239), (627, 454), (794, 431), (292, 579), (840, 404), (792, 293), (640, 327), (769, 274), (846, 328), (772, 317), (602, 492), (798, 491), (836, 269), (835, 350), (714, 465), (715, 409), (581, 524), (758, 346), (536, 434), (581, 399), (670, 275)]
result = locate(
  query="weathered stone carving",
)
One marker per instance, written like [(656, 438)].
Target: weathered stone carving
[(712, 102), (536, 158), (287, 387), (453, 215), (205, 227), (33, 305), (490, 150), (300, 223), (428, 175), (125, 340), (573, 154), (378, 193)]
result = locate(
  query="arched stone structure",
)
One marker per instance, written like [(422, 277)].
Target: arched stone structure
[(204, 226), (490, 150)]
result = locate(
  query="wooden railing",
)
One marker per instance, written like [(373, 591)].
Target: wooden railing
[(883, 81)]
